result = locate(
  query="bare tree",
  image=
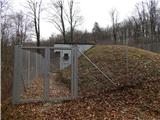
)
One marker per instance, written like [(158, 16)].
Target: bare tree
[(35, 10), (158, 25), (143, 19), (4, 4), (152, 7), (6, 49), (114, 18), (73, 17), (21, 25), (57, 16), (96, 31), (5, 24)]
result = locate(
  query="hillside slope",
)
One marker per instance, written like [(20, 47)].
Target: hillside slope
[(143, 66), (136, 95)]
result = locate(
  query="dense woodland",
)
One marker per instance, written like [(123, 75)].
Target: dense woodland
[(19, 28)]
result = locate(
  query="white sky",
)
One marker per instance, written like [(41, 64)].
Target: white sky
[(91, 10)]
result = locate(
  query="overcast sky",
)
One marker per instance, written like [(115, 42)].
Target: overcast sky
[(91, 10)]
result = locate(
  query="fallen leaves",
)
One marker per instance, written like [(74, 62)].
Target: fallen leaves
[(137, 95), (36, 90)]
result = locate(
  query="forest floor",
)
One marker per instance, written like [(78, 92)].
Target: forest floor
[(135, 96)]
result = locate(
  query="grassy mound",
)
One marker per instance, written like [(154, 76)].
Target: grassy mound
[(143, 66)]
